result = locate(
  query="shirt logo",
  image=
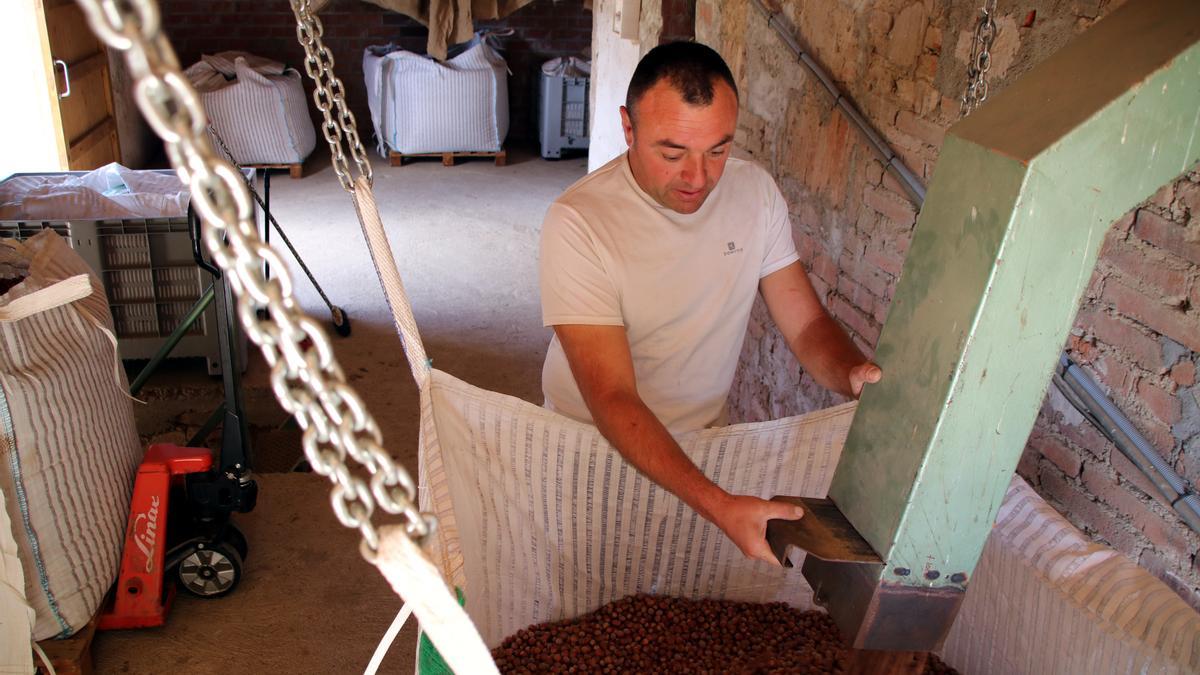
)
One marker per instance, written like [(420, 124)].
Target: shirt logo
[(731, 248)]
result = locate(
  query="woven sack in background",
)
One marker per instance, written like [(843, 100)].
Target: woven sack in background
[(68, 443)]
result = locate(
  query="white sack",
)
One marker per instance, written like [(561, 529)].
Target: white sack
[(258, 107), (552, 523), (419, 105), (67, 436), (112, 191)]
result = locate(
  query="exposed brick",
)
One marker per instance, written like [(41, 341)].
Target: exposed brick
[(1167, 534), (1087, 514), (893, 185), (927, 67), (856, 294), (817, 149), (1163, 197), (1083, 351), (933, 39), (867, 348), (1065, 458), (853, 317), (889, 260), (879, 23), (824, 267), (1157, 433), (1130, 473), (1163, 532), (1164, 405), (928, 98), (1027, 466), (882, 307), (1125, 336), (1184, 373), (1188, 195), (1120, 379), (1168, 235), (1124, 224), (879, 283), (1163, 277), (905, 40), (929, 132), (804, 245), (1188, 465), (906, 93), (889, 204), (874, 171), (1086, 437), (822, 288), (1163, 318)]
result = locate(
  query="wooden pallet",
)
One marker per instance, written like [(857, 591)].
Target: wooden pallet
[(294, 170), (448, 158), (72, 656)]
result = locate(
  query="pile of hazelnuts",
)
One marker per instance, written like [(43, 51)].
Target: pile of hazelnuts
[(657, 634)]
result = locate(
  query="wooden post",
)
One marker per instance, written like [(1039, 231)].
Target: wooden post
[(1026, 188)]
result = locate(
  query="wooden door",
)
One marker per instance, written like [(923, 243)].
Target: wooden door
[(79, 62)]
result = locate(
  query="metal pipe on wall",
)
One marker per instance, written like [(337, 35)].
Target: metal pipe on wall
[(1086, 396), (890, 159)]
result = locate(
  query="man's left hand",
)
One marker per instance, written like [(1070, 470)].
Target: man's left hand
[(864, 373)]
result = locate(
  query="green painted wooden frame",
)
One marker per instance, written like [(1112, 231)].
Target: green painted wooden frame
[(1024, 192)]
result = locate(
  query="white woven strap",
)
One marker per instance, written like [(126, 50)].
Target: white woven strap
[(417, 580), (58, 294), (414, 578), (389, 278)]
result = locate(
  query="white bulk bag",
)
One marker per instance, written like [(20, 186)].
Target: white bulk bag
[(419, 105), (540, 519), (257, 106), (68, 441)]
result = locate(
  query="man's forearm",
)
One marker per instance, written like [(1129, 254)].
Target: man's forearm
[(645, 443), (827, 353)]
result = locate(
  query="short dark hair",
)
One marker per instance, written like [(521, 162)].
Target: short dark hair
[(690, 67)]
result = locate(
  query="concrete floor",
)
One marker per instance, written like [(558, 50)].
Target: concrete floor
[(465, 239)]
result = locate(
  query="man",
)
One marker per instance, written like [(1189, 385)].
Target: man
[(649, 268)]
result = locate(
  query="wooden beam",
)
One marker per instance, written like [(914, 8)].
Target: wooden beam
[(1024, 192)]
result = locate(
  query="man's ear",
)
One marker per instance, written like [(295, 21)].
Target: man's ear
[(627, 125)]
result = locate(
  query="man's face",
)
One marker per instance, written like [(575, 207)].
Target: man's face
[(678, 151)]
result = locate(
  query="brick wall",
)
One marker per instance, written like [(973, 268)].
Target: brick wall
[(904, 63), (543, 29)]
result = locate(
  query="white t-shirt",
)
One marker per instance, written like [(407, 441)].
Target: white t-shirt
[(681, 284)]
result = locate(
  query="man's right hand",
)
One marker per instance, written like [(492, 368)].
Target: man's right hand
[(744, 520)]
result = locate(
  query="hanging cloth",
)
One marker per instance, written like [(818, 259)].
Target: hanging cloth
[(449, 21)]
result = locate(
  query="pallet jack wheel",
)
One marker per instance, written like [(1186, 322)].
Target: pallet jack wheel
[(341, 321), (234, 537), (210, 572)]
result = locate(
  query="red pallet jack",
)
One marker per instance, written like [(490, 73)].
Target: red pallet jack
[(179, 521)]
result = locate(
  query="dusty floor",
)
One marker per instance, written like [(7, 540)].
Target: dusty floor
[(465, 239)]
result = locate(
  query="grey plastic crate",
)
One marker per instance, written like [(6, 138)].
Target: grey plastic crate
[(151, 280), (564, 114)]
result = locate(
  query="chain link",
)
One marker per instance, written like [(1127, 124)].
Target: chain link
[(339, 128), (305, 376), (981, 59)]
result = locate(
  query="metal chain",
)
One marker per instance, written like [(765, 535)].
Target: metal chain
[(339, 127), (306, 378), (228, 155), (981, 59)]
